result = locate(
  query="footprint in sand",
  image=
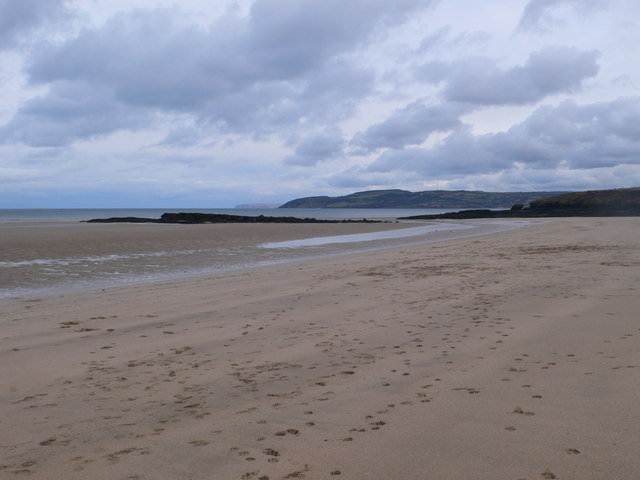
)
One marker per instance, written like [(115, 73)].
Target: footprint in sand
[(199, 443), (290, 431), (520, 411), (270, 452)]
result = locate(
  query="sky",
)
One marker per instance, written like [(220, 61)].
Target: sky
[(214, 103)]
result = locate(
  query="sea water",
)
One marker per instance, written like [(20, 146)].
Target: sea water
[(83, 214)]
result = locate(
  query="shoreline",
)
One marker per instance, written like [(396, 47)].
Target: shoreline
[(83, 214), (45, 259), (500, 356)]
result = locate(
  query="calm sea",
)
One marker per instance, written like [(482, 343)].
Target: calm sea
[(80, 214)]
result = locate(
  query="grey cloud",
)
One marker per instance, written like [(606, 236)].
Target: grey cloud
[(571, 136), (443, 38), (182, 136), (327, 96), (539, 14), (588, 136), (20, 18), (434, 71), (245, 75), (69, 112), (410, 125), (352, 179), (461, 153), (359, 178), (147, 58), (318, 147), (526, 179), (549, 71), (291, 36), (333, 91), (436, 39)]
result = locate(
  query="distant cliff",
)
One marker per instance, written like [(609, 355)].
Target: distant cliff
[(427, 199)]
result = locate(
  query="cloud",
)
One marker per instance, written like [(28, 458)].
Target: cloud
[(362, 179), (435, 39), (519, 179), (207, 96), (460, 154), (443, 37), (479, 81), (293, 37), (20, 18), (542, 15), (318, 147), (147, 58), (70, 111), (410, 125), (333, 92), (598, 135), (283, 64), (181, 136), (570, 136)]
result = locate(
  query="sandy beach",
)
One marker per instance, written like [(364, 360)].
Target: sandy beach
[(506, 356)]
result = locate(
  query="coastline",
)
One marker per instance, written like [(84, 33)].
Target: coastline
[(500, 356), (84, 214)]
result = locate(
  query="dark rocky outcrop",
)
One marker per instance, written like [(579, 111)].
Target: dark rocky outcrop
[(123, 220), (199, 218)]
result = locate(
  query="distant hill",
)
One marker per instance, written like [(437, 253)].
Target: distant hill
[(593, 203), (618, 198), (426, 199)]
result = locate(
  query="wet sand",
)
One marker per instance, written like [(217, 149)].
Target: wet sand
[(512, 356), (26, 241), (47, 258)]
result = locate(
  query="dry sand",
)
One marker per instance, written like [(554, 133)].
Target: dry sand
[(508, 356)]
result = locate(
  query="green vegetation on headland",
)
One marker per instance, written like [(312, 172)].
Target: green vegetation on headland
[(595, 203), (624, 202), (196, 218), (426, 199)]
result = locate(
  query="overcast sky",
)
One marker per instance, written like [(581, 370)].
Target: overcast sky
[(212, 103)]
